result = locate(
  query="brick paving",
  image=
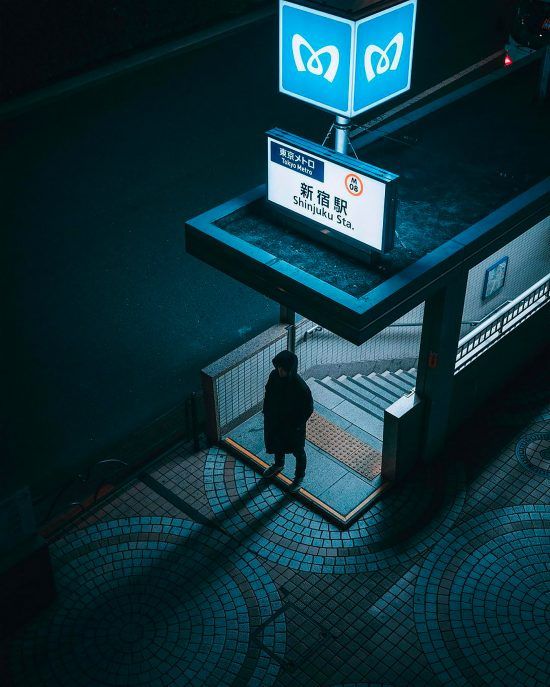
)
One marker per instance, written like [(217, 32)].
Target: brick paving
[(198, 573)]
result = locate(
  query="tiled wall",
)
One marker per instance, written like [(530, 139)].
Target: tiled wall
[(528, 261)]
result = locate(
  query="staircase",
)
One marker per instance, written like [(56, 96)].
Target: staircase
[(361, 400)]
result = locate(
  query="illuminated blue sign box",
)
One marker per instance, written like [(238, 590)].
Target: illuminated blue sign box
[(345, 66)]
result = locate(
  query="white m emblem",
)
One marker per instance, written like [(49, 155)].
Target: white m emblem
[(314, 64), (384, 62)]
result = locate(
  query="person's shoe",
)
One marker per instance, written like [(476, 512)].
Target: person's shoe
[(273, 470), (296, 485)]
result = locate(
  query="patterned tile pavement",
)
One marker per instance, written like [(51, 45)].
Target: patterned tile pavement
[(198, 573), (533, 451), (153, 600), (280, 529), (482, 599)]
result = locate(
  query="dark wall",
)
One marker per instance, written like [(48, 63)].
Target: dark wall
[(42, 41), (482, 379), (45, 40)]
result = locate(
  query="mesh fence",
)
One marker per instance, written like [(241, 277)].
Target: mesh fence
[(505, 289), (400, 341), (240, 389)]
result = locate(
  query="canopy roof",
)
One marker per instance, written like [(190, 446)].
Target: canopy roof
[(472, 178)]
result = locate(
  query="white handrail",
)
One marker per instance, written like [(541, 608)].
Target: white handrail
[(494, 318)]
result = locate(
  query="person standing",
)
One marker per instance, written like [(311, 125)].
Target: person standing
[(287, 406)]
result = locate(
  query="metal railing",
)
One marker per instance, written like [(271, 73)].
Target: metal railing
[(502, 322), (234, 391), (234, 386), (83, 487)]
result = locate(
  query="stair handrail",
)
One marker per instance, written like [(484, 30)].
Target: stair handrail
[(486, 324), (419, 324)]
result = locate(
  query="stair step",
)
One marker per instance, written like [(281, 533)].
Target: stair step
[(323, 395), (385, 396), (392, 378), (406, 377), (364, 394), (356, 398), (360, 418), (382, 383)]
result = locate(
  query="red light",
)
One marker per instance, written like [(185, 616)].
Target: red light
[(508, 60)]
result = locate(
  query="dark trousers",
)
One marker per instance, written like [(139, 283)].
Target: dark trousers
[(301, 461)]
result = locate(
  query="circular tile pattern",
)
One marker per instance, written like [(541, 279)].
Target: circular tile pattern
[(279, 528), (152, 601), (533, 452), (482, 600)]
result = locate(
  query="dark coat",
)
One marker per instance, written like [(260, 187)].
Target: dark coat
[(288, 404)]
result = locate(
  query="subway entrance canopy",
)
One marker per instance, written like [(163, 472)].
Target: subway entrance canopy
[(461, 197), (354, 245)]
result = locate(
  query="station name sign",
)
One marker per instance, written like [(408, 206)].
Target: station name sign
[(330, 193)]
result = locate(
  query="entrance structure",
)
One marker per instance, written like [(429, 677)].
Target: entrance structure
[(472, 256)]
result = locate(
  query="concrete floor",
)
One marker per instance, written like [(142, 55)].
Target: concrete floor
[(333, 482), (198, 574)]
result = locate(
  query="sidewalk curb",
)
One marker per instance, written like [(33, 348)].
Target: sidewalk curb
[(18, 105)]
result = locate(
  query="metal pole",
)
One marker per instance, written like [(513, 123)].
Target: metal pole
[(286, 315), (341, 140), (342, 126), (291, 338)]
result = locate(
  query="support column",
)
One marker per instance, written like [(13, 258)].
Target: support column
[(291, 338), (436, 363), (213, 433), (402, 433), (286, 315)]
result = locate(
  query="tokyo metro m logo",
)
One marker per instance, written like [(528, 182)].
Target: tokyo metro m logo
[(384, 63), (314, 64), (346, 66)]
